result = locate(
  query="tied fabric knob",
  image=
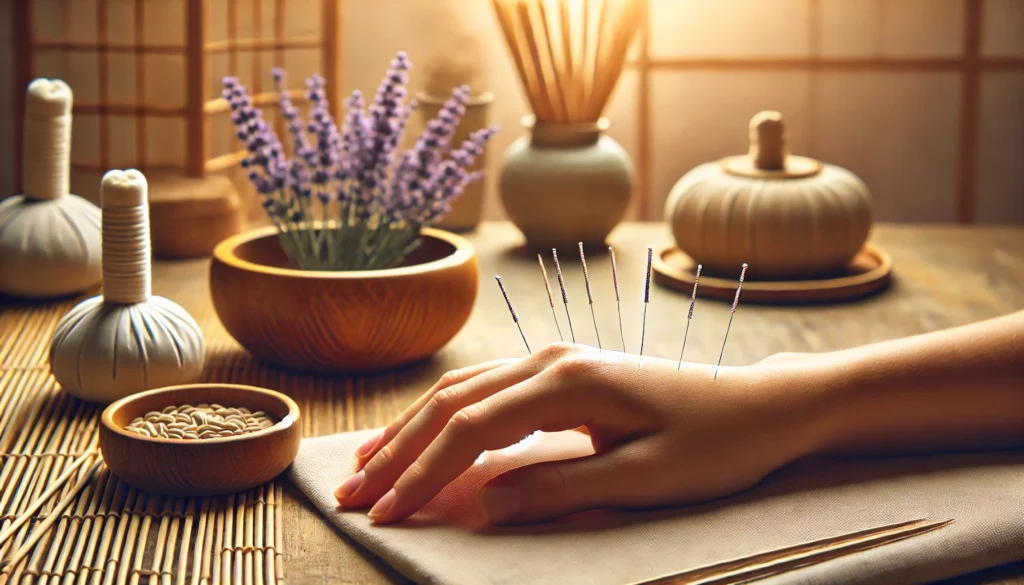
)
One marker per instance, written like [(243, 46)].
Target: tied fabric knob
[(49, 238), (126, 340)]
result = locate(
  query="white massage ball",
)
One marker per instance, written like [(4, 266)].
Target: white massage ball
[(126, 340), (49, 239)]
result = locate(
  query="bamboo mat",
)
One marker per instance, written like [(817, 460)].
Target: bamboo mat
[(97, 530)]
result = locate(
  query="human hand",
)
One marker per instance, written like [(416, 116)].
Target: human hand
[(660, 436)]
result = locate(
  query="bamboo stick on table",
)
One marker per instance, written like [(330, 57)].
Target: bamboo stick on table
[(23, 444), (278, 538), (89, 529), (204, 534), (13, 403), (14, 500), (237, 556), (68, 438), (214, 545), (11, 570), (116, 544), (66, 531), (257, 535), (94, 554), (181, 526), (131, 537), (26, 516), (166, 536), (191, 512)]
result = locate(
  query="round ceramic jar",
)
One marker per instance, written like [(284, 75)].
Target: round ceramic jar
[(565, 183), (786, 216)]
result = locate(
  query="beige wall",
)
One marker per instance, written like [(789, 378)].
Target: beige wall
[(711, 64)]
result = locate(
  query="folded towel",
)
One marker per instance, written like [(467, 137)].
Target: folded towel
[(444, 542)]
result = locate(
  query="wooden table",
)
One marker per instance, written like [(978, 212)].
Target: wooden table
[(944, 276)]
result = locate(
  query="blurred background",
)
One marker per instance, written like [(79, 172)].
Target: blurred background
[(923, 99)]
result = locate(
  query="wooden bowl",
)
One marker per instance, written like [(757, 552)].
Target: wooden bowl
[(205, 467), (334, 322)]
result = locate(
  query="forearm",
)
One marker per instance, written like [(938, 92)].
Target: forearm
[(960, 388)]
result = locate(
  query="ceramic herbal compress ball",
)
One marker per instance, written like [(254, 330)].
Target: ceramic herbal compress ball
[(126, 340), (787, 216), (49, 239)]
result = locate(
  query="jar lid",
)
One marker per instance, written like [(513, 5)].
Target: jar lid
[(769, 157)]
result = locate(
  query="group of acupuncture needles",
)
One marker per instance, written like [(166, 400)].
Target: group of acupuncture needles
[(618, 304)]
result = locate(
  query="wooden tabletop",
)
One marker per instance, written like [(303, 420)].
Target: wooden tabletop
[(944, 276)]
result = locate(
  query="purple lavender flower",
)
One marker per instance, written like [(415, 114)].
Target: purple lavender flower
[(355, 172)]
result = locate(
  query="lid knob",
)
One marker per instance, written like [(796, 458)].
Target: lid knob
[(768, 147)]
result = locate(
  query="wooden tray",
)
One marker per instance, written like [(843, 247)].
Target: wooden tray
[(868, 272)]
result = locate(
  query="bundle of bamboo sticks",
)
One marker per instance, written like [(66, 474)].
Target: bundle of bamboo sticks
[(569, 53)]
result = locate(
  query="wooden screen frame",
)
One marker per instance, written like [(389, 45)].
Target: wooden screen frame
[(196, 51), (970, 64)]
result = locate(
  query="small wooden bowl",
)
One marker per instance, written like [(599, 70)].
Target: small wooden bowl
[(205, 467), (333, 322)]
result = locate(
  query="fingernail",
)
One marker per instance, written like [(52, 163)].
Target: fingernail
[(370, 443), (349, 486), (499, 503), (383, 505)]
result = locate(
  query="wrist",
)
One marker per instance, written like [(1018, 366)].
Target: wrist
[(806, 392)]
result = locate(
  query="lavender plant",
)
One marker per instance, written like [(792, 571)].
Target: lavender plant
[(348, 199)]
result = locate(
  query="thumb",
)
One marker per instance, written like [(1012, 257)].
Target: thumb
[(555, 488)]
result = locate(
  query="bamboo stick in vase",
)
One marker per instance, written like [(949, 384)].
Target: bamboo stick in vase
[(599, 64), (507, 18), (550, 115), (624, 36), (565, 24), (558, 72)]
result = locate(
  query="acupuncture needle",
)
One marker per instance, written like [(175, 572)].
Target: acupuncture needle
[(732, 313), (647, 298), (565, 299), (590, 298), (551, 299), (618, 300), (689, 316), (515, 319)]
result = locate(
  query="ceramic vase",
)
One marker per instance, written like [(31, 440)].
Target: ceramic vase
[(565, 183)]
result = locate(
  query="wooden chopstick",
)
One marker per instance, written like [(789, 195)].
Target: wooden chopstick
[(774, 562)]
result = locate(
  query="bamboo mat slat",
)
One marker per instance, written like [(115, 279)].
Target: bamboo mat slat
[(96, 530)]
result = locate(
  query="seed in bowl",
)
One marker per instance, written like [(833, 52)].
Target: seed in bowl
[(202, 421)]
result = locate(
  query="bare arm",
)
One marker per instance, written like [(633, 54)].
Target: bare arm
[(663, 436), (957, 388)]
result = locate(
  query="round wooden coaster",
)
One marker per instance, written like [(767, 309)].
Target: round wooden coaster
[(868, 272)]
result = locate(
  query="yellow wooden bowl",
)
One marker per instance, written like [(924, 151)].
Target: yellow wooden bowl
[(356, 321), (200, 467)]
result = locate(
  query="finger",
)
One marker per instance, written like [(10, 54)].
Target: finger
[(380, 473), (543, 402), (552, 489), (374, 444)]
